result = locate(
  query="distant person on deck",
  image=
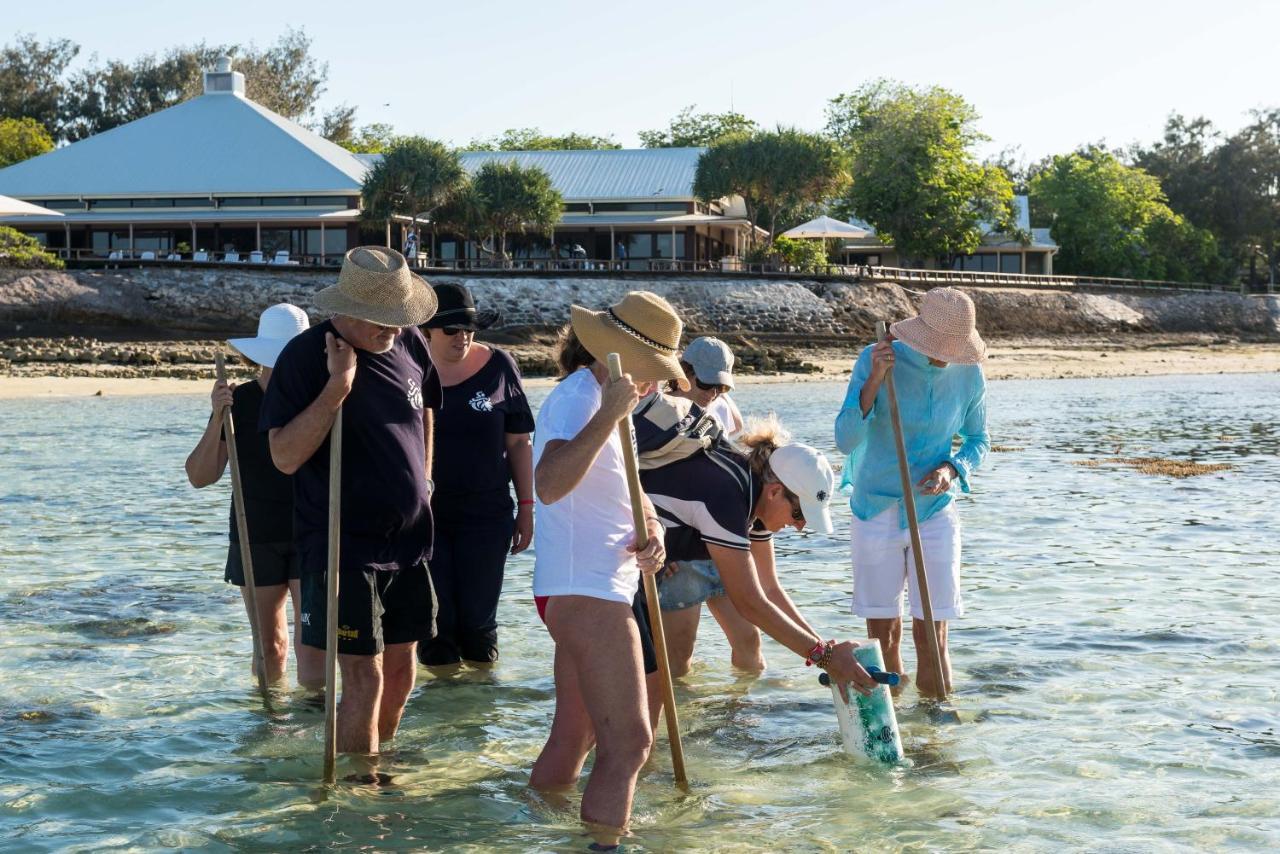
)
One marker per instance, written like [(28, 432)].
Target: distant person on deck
[(370, 361), (935, 359), (268, 498)]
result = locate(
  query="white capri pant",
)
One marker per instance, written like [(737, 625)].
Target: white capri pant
[(882, 561)]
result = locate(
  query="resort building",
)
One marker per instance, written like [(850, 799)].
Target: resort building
[(999, 253), (219, 177)]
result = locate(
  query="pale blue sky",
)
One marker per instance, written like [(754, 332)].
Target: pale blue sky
[(1047, 76)]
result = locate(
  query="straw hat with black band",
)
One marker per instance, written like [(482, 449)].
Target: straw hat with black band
[(642, 328), (945, 329), (375, 285), (456, 308)]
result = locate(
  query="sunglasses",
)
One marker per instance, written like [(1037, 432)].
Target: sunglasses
[(720, 389), (797, 515), (456, 330)]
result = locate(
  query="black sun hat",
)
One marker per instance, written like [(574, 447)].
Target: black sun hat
[(457, 308)]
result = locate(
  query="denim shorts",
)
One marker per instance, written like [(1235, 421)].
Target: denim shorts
[(694, 582)]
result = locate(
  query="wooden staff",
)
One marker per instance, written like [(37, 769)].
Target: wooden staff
[(242, 528), (909, 500), (331, 603), (626, 434)]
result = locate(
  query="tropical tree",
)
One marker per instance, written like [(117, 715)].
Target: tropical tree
[(777, 173), (514, 198), (1112, 220), (21, 139), (695, 130), (25, 252), (31, 80), (915, 174), (532, 139), (414, 177)]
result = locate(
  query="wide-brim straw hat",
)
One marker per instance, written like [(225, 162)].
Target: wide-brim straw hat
[(643, 329), (945, 329), (276, 326), (376, 285), (456, 307)]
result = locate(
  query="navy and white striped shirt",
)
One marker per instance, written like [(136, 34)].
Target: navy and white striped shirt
[(707, 497)]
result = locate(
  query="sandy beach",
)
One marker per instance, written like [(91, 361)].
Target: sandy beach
[(1006, 361)]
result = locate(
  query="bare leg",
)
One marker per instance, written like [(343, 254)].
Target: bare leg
[(310, 660), (358, 707), (927, 682), (572, 735), (744, 637), (681, 629), (889, 633), (274, 629), (399, 667), (600, 640)]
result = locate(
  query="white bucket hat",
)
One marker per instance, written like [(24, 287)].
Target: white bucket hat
[(806, 472), (276, 326)]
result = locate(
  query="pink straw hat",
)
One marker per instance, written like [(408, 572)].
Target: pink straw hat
[(945, 329)]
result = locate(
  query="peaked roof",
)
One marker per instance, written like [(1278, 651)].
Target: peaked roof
[(660, 174), (219, 143)]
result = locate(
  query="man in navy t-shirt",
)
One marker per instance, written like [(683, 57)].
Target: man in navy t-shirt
[(370, 360)]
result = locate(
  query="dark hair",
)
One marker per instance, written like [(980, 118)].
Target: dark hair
[(673, 386), (570, 354)]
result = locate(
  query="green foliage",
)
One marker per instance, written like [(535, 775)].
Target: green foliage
[(31, 80), (802, 255), (777, 173), (339, 127), (21, 139), (695, 130), (34, 82), (1226, 184), (513, 198), (1112, 220), (414, 177), (532, 139), (24, 252), (915, 176)]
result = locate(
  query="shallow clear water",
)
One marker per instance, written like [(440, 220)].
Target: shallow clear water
[(1117, 668)]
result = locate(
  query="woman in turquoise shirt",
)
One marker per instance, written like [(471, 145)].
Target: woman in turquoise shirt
[(941, 394)]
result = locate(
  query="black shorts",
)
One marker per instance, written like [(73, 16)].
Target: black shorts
[(375, 608), (273, 563)]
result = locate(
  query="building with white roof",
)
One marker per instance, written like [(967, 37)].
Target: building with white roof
[(220, 174), (999, 253)]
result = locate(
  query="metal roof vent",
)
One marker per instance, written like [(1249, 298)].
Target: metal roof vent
[(222, 80)]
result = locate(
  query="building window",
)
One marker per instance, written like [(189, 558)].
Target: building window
[(639, 245), (1035, 264), (664, 245), (1010, 263)]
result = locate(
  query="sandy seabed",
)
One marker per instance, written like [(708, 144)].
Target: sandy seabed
[(1006, 361)]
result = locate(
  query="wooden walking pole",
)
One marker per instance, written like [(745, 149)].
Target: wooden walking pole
[(626, 434), (331, 603), (242, 528), (909, 500)]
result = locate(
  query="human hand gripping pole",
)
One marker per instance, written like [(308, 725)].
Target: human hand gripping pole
[(331, 602), (909, 501), (246, 552), (625, 433)]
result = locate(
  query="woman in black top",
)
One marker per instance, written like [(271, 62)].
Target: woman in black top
[(481, 447), (268, 497)]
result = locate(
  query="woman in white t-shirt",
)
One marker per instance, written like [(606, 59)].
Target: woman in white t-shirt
[(587, 568)]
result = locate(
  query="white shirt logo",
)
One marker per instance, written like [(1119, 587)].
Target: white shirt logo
[(415, 394), (481, 402)]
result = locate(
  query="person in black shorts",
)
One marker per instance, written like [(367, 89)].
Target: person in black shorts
[(268, 497), (481, 446), (721, 506), (370, 360)]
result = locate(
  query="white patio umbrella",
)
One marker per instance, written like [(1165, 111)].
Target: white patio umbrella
[(17, 207), (825, 227)]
